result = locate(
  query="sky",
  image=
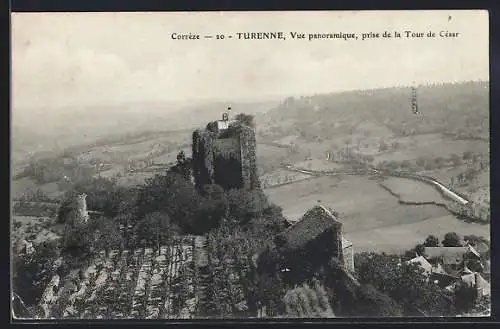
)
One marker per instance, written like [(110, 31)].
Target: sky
[(92, 59)]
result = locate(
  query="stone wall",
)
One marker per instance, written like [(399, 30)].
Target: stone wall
[(227, 157), (348, 255), (249, 158), (82, 214), (201, 158)]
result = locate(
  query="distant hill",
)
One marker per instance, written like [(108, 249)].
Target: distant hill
[(461, 108), (53, 130)]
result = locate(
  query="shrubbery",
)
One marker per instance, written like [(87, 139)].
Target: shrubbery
[(405, 283), (31, 273)]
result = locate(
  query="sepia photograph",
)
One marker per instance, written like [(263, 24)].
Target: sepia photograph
[(250, 165)]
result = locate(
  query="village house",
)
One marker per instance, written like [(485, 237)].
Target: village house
[(476, 280), (453, 259), (315, 240), (449, 266)]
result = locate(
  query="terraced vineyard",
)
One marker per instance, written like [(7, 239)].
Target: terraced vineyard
[(142, 283), (222, 287)]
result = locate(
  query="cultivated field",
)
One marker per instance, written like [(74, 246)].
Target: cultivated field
[(136, 178), (171, 157), (399, 238), (141, 283), (430, 145), (33, 229), (282, 176), (410, 190), (23, 185), (270, 158), (367, 210), (318, 165)]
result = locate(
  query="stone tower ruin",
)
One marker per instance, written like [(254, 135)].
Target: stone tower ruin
[(81, 213), (76, 223), (224, 153)]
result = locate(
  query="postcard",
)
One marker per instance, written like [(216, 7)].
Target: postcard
[(250, 165)]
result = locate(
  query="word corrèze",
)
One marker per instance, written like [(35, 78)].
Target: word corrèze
[(185, 36)]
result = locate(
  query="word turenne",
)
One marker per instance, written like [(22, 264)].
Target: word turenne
[(260, 35)]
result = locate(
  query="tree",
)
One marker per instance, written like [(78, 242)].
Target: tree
[(370, 158), (465, 297), (467, 155), (440, 161), (306, 302), (158, 228), (374, 303), (451, 239), (173, 195), (405, 164), (405, 283), (78, 239), (270, 293), (246, 119), (421, 162), (31, 273), (470, 174), (382, 146), (419, 249), (183, 166), (474, 239), (244, 204), (181, 157), (392, 165), (455, 159), (431, 241), (106, 234)]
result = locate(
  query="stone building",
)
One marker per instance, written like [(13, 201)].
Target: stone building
[(73, 211), (76, 220), (315, 240), (224, 153), (82, 214)]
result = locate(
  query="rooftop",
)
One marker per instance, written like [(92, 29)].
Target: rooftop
[(450, 255), (422, 262), (313, 223), (476, 280)]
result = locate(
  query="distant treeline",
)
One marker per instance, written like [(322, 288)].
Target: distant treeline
[(460, 110), (57, 169)]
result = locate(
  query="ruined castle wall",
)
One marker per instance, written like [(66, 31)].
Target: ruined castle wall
[(348, 255), (249, 156), (202, 158), (228, 147), (227, 162), (227, 158), (76, 226), (79, 215), (338, 252)]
